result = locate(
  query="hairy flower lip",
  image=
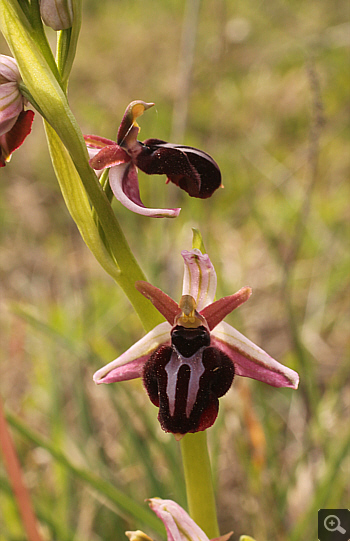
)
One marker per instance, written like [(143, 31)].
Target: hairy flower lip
[(193, 170), (248, 359)]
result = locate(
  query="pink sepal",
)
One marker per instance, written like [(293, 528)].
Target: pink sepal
[(251, 361), (134, 357), (125, 372), (95, 141), (109, 156)]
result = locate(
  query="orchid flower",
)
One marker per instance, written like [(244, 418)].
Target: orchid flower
[(178, 524), (188, 362), (189, 168), (15, 123)]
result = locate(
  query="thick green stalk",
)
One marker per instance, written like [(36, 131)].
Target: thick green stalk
[(199, 483)]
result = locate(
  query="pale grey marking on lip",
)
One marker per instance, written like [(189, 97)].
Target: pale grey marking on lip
[(196, 367)]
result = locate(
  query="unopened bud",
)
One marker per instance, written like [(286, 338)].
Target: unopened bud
[(58, 14)]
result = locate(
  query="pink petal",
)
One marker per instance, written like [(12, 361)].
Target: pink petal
[(129, 364), (199, 278), (164, 304), (217, 311), (124, 184), (11, 104), (95, 141), (109, 156), (250, 360), (9, 71)]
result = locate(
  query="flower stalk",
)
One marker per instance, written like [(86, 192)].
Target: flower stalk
[(199, 483)]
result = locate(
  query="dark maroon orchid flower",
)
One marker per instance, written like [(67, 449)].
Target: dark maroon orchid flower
[(188, 362), (189, 168)]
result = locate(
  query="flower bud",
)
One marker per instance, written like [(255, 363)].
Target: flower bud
[(58, 14)]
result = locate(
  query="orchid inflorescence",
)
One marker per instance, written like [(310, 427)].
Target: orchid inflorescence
[(190, 360)]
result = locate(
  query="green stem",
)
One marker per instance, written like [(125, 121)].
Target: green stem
[(199, 484)]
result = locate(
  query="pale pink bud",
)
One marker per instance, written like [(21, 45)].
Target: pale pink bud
[(58, 14)]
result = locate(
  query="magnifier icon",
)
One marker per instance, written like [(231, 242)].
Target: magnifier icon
[(332, 524)]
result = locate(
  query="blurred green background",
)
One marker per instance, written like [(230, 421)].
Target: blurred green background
[(263, 87)]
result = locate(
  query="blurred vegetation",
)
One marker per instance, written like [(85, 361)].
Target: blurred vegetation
[(266, 94)]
